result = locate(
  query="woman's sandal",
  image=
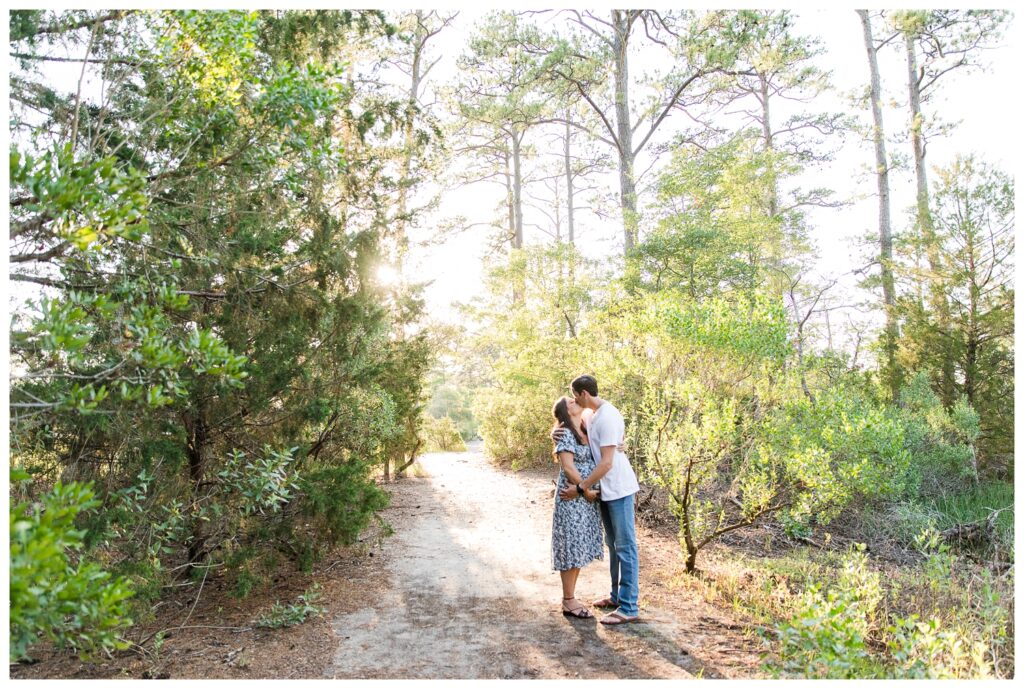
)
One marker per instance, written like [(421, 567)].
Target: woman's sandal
[(580, 612)]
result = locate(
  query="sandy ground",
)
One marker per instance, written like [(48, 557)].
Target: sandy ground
[(471, 594)]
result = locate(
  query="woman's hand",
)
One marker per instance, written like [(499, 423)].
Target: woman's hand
[(592, 495)]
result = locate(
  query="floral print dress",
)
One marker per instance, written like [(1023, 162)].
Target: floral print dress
[(576, 532)]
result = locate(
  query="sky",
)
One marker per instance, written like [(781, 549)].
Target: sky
[(984, 102)]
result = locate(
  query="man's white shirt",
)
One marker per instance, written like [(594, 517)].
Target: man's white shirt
[(607, 427)]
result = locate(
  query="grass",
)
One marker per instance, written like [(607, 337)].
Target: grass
[(975, 504), (762, 589), (902, 522)]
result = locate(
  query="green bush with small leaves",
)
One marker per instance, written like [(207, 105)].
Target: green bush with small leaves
[(442, 435), (516, 428), (340, 501), (841, 630), (56, 594), (294, 613)]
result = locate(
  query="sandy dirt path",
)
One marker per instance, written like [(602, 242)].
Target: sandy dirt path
[(470, 593)]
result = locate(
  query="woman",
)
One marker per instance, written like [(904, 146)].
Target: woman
[(576, 537)]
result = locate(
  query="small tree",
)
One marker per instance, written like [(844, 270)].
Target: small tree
[(715, 359), (534, 347), (731, 435)]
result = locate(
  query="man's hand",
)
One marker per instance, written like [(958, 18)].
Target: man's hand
[(568, 493)]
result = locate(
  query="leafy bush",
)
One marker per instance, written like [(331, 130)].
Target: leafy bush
[(726, 423), (259, 484), (70, 603), (942, 442), (295, 613), (516, 428), (441, 435), (827, 636), (342, 500), (841, 630), (841, 444)]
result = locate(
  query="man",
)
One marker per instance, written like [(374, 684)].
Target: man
[(606, 430)]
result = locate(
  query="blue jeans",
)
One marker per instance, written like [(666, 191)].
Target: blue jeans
[(624, 558)]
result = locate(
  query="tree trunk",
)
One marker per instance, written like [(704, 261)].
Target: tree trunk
[(195, 451), (891, 332), (926, 225), (691, 559), (514, 231), (777, 279), (568, 179), (769, 145), (973, 328), (556, 208), (627, 181), (517, 189), (685, 527), (401, 238), (507, 158)]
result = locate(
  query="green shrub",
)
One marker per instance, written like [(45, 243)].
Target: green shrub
[(827, 636), (245, 581), (841, 629), (71, 603), (928, 650), (442, 435), (341, 500), (860, 445), (258, 484), (942, 443), (516, 428), (290, 615)]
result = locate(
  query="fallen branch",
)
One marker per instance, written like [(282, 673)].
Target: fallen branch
[(809, 541), (976, 533)]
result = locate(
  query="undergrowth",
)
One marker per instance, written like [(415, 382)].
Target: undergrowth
[(829, 614)]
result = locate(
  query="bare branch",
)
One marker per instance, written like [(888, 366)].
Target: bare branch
[(116, 14), (40, 256)]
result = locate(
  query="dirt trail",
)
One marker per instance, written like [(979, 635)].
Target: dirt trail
[(469, 593)]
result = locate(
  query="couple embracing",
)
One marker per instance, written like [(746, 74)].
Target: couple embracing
[(596, 488)]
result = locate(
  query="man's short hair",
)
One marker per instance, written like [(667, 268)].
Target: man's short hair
[(585, 383)]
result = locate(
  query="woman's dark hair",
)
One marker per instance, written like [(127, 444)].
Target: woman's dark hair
[(562, 419)]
